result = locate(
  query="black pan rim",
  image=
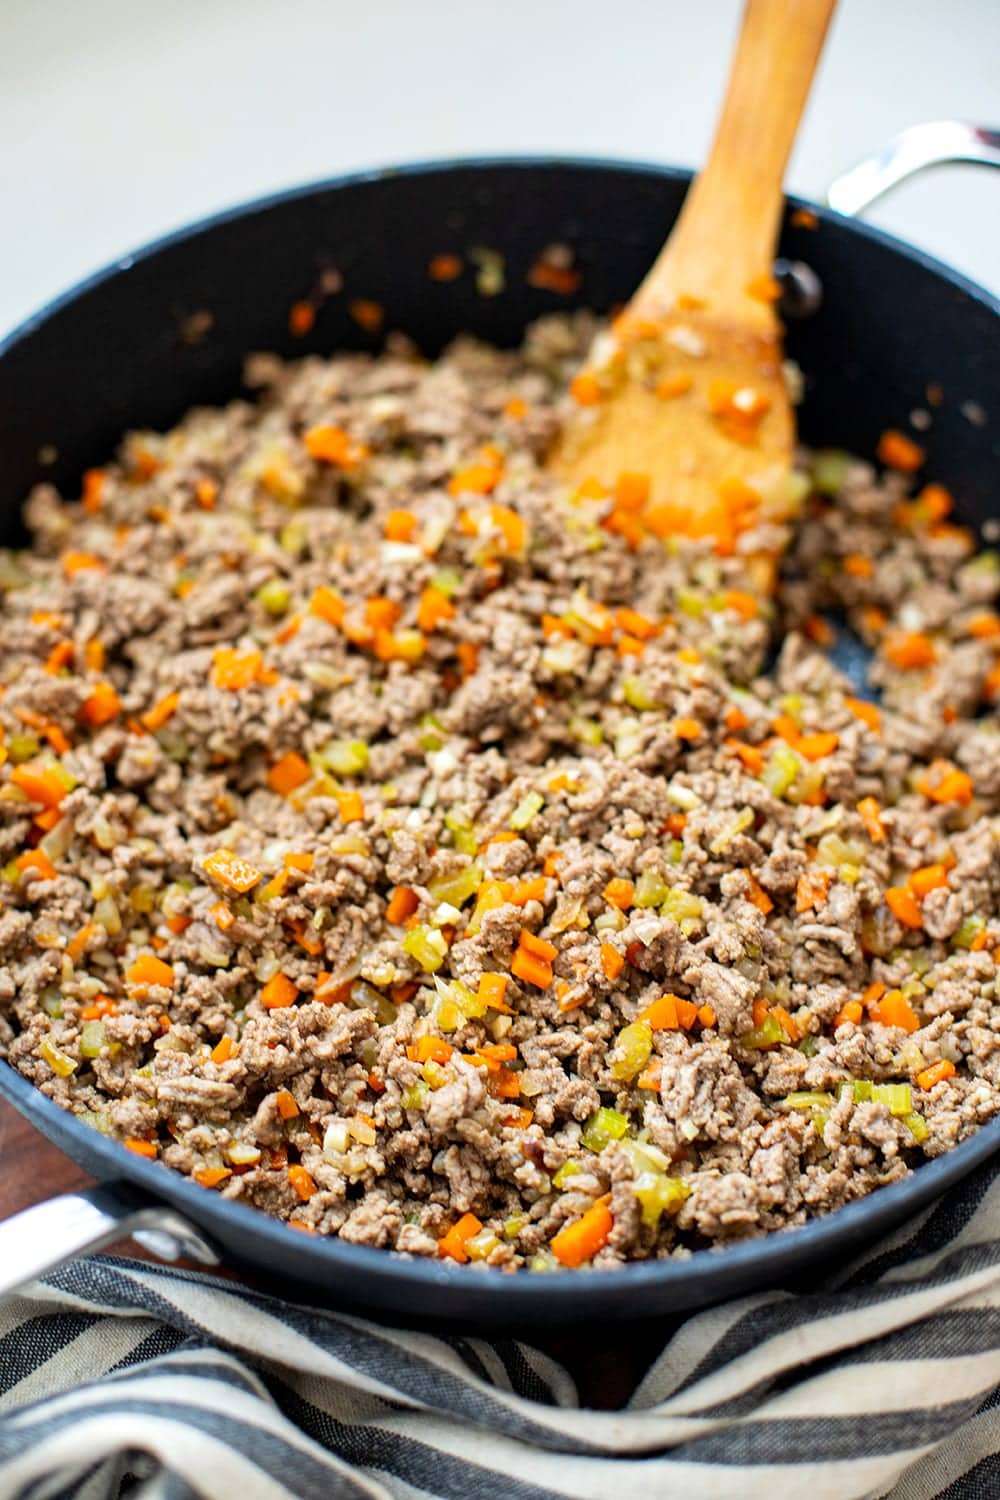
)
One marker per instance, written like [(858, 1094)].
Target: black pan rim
[(524, 1294)]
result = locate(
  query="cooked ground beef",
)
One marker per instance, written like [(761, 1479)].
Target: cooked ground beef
[(430, 857)]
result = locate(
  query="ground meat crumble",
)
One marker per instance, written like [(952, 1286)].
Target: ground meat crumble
[(430, 857)]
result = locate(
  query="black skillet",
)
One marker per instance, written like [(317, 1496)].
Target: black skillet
[(169, 327)]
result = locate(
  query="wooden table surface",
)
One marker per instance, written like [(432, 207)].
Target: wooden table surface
[(606, 1365)]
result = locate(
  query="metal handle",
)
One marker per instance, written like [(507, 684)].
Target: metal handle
[(933, 144), (43, 1237)]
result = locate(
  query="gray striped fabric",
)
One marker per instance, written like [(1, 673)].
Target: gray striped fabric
[(121, 1378)]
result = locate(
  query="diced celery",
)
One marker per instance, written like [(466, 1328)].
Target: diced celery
[(294, 538), (542, 1261), (917, 1126), (782, 767), (52, 1003), (98, 1120), (93, 1037), (21, 747), (651, 889), (447, 580), (690, 602), (659, 1194), (435, 1075), (526, 810), (454, 993), (566, 1171), (456, 889), (628, 738), (427, 946), (463, 834), (829, 470), (481, 1245), (860, 1090), (896, 1097), (767, 1034), (808, 1099), (637, 694), (683, 908), (674, 851), (743, 820), (58, 1061), (512, 1227), (633, 1046), (968, 931), (604, 1126), (431, 732), (345, 757), (586, 730), (274, 596), (413, 1097), (684, 797)]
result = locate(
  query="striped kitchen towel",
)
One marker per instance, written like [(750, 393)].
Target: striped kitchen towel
[(119, 1378)]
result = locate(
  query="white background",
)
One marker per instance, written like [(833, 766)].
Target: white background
[(120, 119)]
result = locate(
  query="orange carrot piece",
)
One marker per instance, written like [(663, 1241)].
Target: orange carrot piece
[(817, 746), (871, 816), (154, 718), (585, 388), (706, 1015), (140, 1147), (451, 1246), (81, 562), (434, 609), (233, 671), (285, 1104), (908, 649), (662, 1014), (752, 758), (895, 1010), (851, 1011), (328, 605), (788, 1023), (37, 860), (631, 492), (350, 806), (210, 1177), (77, 945), (334, 446), (231, 871), (897, 451), (758, 895), (59, 657), (612, 962), (936, 1073), (148, 970), (532, 970), (400, 526), (812, 890), (619, 892), (868, 713), (491, 990), (928, 878), (475, 479), (301, 1181), (401, 904), (687, 729), (288, 773), (949, 785), (580, 1241), (904, 907), (278, 993), (223, 1049), (430, 1049), (102, 706), (537, 946), (669, 387)]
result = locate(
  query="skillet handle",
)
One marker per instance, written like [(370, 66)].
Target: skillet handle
[(932, 144), (43, 1237)]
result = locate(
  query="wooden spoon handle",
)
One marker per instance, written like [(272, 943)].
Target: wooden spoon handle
[(727, 231)]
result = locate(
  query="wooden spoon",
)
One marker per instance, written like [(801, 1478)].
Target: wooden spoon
[(682, 409)]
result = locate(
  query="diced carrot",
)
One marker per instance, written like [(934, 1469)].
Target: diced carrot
[(752, 758), (515, 408), (537, 946), (706, 1015), (985, 626), (585, 388), (908, 649), (612, 962), (532, 970), (291, 628), (350, 806), (468, 657), (140, 1147), (206, 492), (871, 816), (328, 993), (285, 1104), (662, 1014), (631, 492), (100, 1006), (210, 1177), (903, 906), (278, 993), (742, 603), (232, 871), (669, 387), (46, 820), (897, 451), (430, 1049), (475, 479), (81, 562), (148, 970), (787, 729), (37, 860), (434, 609), (895, 1010), (451, 1246), (580, 1241), (40, 783), (619, 892), (523, 891), (817, 746), (736, 719), (328, 605), (687, 729), (687, 1012), (381, 613), (858, 566), (635, 624), (223, 1049), (812, 890), (59, 657), (851, 1011), (491, 991), (401, 904), (400, 526), (102, 706), (288, 773), (303, 861), (873, 993), (788, 1023), (758, 895), (154, 718), (936, 1073), (945, 783), (302, 1182), (77, 945), (222, 916), (233, 671), (759, 1011), (334, 446), (928, 878)]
